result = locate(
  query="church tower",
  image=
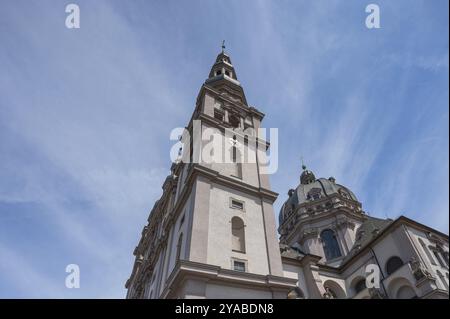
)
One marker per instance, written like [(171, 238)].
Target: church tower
[(212, 234)]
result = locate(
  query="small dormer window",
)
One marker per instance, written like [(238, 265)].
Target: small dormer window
[(314, 194), (218, 72), (227, 73), (344, 194)]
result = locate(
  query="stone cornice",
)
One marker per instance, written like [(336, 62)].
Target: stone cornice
[(214, 176), (240, 106), (213, 273), (316, 208), (211, 121), (298, 224)]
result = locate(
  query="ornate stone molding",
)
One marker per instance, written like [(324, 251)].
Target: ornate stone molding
[(419, 270), (309, 233), (345, 223)]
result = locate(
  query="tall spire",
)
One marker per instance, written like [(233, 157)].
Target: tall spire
[(222, 77), (223, 68)]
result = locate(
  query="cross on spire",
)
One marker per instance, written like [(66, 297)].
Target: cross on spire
[(223, 46)]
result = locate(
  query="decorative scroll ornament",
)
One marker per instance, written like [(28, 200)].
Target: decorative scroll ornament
[(418, 270)]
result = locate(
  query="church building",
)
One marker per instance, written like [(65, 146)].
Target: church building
[(213, 233)]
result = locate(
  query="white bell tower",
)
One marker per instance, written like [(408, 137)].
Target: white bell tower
[(215, 221)]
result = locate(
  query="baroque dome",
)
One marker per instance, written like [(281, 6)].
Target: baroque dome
[(311, 189)]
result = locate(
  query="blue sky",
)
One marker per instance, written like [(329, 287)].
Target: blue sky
[(85, 117)]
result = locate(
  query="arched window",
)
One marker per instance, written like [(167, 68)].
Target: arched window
[(180, 242), (427, 251), (393, 264), (238, 235), (443, 279), (438, 257), (333, 290), (406, 292), (237, 162), (330, 244), (360, 285)]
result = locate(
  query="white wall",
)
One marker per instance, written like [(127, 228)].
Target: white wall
[(296, 272), (219, 241), (215, 291)]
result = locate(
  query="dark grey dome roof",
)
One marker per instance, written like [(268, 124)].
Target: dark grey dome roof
[(311, 188)]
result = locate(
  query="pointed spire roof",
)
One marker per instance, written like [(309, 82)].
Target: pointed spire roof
[(223, 68), (223, 78)]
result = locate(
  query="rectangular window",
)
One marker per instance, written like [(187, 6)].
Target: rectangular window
[(239, 265), (237, 204), (439, 259), (218, 115)]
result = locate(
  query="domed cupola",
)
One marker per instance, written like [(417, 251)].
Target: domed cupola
[(312, 190)]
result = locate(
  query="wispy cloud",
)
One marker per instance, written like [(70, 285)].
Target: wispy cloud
[(85, 117)]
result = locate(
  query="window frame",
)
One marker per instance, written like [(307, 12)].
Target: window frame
[(234, 200), (235, 154), (390, 259), (242, 241), (427, 252), (219, 114), (179, 248), (242, 261), (438, 256), (324, 246)]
